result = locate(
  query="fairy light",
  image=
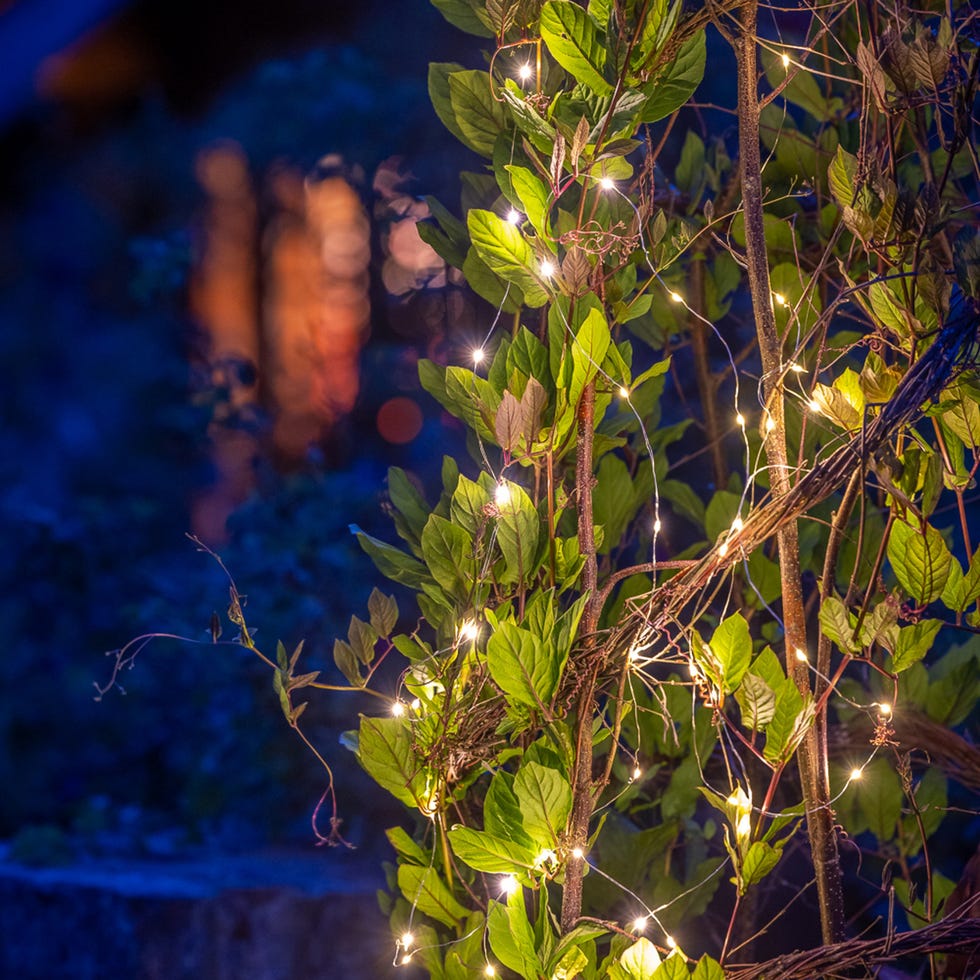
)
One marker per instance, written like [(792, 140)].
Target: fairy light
[(785, 59), (723, 549), (814, 406), (801, 656), (478, 355), (624, 392), (547, 268), (639, 923), (671, 942), (468, 630), (797, 368), (509, 884), (502, 494), (780, 299), (770, 423), (740, 420), (523, 73), (406, 940), (676, 298), (406, 959), (607, 183), (637, 772), (737, 525), (545, 857), (398, 709), (855, 775), (578, 853), (885, 709), (657, 525), (514, 216)]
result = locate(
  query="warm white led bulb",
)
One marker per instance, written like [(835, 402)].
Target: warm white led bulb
[(398, 708), (407, 939), (801, 656), (885, 709), (547, 268), (797, 368), (740, 420), (737, 525), (814, 406), (468, 630), (514, 216), (676, 298), (639, 923), (607, 183), (657, 526), (785, 60), (779, 298), (509, 884), (502, 494), (489, 970), (856, 774), (637, 772), (524, 73), (723, 549), (577, 853), (478, 355), (770, 423), (624, 392)]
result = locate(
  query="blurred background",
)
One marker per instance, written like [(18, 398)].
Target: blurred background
[(212, 301)]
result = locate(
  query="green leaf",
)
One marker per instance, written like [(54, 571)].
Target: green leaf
[(521, 666), (708, 969), (479, 117), (732, 646), (914, 642), (842, 174), (880, 798), (383, 611), (511, 936), (545, 797), (347, 663), (920, 560), (722, 509), (757, 701), (533, 196), (674, 967), (506, 252), (411, 510), (676, 81), (426, 891), (385, 751), (439, 72), (390, 561), (802, 89), (485, 852), (518, 529), (448, 552), (502, 811), (641, 960), (465, 15), (572, 37), (790, 721), (835, 623), (759, 860), (588, 352), (962, 589)]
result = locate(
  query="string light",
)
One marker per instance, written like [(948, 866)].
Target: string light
[(624, 392), (780, 299), (723, 549), (740, 420), (547, 268), (785, 59), (671, 942), (607, 183), (637, 772), (770, 423), (398, 708), (478, 355), (523, 73), (468, 630), (406, 940), (737, 525), (801, 656), (502, 494), (578, 853), (814, 406), (639, 923), (885, 709), (676, 298), (514, 216), (855, 774), (509, 884), (657, 525), (406, 959), (797, 368)]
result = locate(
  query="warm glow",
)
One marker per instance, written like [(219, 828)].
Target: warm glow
[(801, 656), (814, 406), (407, 939), (398, 709), (856, 774), (676, 298), (885, 709), (509, 884), (640, 923), (577, 853), (740, 420), (524, 73), (469, 630), (797, 368), (785, 60), (489, 970), (723, 549), (656, 526), (514, 216), (607, 183), (478, 355), (502, 494), (671, 942), (547, 268), (624, 392), (637, 772), (770, 423), (406, 959), (779, 298), (737, 525)]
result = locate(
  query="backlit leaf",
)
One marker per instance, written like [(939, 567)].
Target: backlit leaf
[(572, 37), (920, 560)]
